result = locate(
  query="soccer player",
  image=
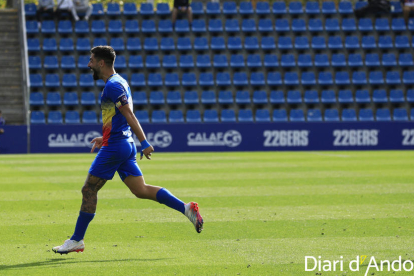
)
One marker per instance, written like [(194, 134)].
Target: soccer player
[(118, 152)]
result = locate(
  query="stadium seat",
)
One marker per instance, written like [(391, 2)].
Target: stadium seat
[(208, 97), (72, 117), (99, 42), (315, 25), (328, 7), (217, 43), (237, 61), (167, 44), (135, 62), (36, 99), (262, 8), (150, 44), (138, 80), (260, 97), (294, 96), (113, 9), (203, 61), (308, 78), (83, 44), (400, 114), (410, 95), (115, 26), (98, 27), (206, 79), (297, 115), (30, 9), (240, 79), (342, 78), (265, 25), (213, 8), (86, 80), (389, 60), (158, 116), (311, 96), (365, 25), (325, 78), (83, 62), (120, 62), (131, 27), (405, 60), (140, 98), (52, 80), (97, 9), (182, 26), (301, 42), (338, 60), (383, 114), (225, 97), (359, 77), (412, 114), (33, 45), (349, 114), (31, 27), (49, 45), (314, 115), (274, 79), (379, 96), (69, 81), (304, 60), (298, 25), (174, 97), (70, 98), (148, 26), (248, 26), (345, 96), (146, 9), (66, 44), (368, 42), (277, 97), (279, 115), (382, 24), (189, 79), (243, 97), (332, 25), (176, 116), (152, 61), (397, 96), (231, 26), (402, 42), (385, 42), (372, 60), (254, 61), (245, 8), (376, 77), (87, 98), (393, 77), (408, 77), (89, 117), (50, 62), (251, 43), (335, 42), (186, 61), (355, 60), (318, 42), (130, 9), (279, 7), (220, 61), (291, 78), (328, 96), (65, 27), (234, 43), (262, 115), (191, 97), (352, 42), (193, 116), (284, 43), (37, 117), (349, 25), (172, 79), (295, 7), (169, 61), (197, 7), (210, 116), (331, 115), (229, 8), (55, 117), (270, 60), (48, 27), (142, 116), (362, 96), (36, 80), (245, 115), (312, 7), (199, 26), (228, 115), (366, 114), (321, 60), (156, 98)]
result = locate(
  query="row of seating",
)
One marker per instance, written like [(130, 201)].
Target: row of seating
[(216, 25), (227, 97), (229, 115), (238, 79), (229, 8), (234, 43)]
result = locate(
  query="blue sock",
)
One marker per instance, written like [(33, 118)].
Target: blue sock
[(81, 225), (165, 197)]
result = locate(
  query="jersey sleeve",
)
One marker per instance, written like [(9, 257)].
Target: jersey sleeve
[(117, 94)]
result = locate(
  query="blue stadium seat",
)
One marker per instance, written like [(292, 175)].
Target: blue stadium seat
[(308, 78), (240, 79), (352, 42), (314, 115), (254, 61), (362, 96), (203, 61), (182, 26), (359, 77), (191, 97), (97, 9), (52, 80), (243, 97), (295, 7), (197, 7), (379, 96), (349, 25), (158, 116), (176, 116), (274, 79), (355, 60), (237, 61), (69, 80), (345, 7), (368, 42), (400, 114), (228, 115), (229, 8), (193, 116), (298, 25), (130, 9), (383, 114), (99, 42), (393, 77), (150, 44), (389, 60), (115, 26), (342, 78), (332, 25), (291, 78), (206, 79), (396, 7), (325, 78), (231, 26), (86, 80), (402, 42), (55, 117), (277, 97), (66, 44), (210, 115), (245, 8), (136, 62), (131, 27), (213, 8), (31, 27), (245, 115), (189, 79), (297, 115), (397, 96), (169, 61), (408, 77), (328, 7), (366, 114), (152, 61), (155, 79), (36, 98), (405, 60), (410, 95), (410, 25), (83, 62), (174, 97), (53, 99), (248, 26), (305, 61), (328, 96), (72, 117), (265, 25), (199, 26), (98, 27), (312, 7), (376, 77), (113, 9), (294, 96), (138, 80), (311, 96), (318, 42), (87, 98), (385, 42), (49, 45), (65, 27), (301, 42), (372, 60), (120, 62), (279, 115), (279, 7), (260, 97), (412, 114), (208, 97), (142, 116), (50, 62), (257, 79), (217, 43), (365, 25), (345, 96), (146, 9), (33, 45), (36, 80), (270, 60), (315, 25), (89, 117), (167, 44), (220, 61), (48, 27), (70, 98), (251, 43), (30, 9), (335, 42), (382, 24), (148, 26), (140, 98), (83, 44), (225, 97), (338, 60), (262, 8), (156, 98), (37, 117), (262, 115), (285, 42), (234, 43), (321, 60), (332, 115), (349, 114)]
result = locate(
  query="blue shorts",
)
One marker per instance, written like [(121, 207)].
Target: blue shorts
[(120, 157)]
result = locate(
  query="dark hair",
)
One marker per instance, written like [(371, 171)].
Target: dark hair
[(105, 53)]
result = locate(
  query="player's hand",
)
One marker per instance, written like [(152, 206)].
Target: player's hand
[(147, 152), (97, 143)]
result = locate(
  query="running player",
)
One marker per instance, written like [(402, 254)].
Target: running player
[(118, 152)]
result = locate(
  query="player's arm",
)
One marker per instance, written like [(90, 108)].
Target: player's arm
[(136, 128)]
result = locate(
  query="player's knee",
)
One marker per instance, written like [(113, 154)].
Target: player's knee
[(141, 192)]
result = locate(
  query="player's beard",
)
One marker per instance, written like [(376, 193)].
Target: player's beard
[(95, 74)]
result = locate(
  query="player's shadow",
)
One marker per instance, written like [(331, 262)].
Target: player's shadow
[(55, 261)]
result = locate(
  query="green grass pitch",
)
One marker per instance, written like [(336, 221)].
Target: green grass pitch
[(263, 213)]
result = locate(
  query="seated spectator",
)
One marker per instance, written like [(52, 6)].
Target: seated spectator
[(182, 6), (65, 7), (408, 7), (83, 7), (45, 7), (374, 7)]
